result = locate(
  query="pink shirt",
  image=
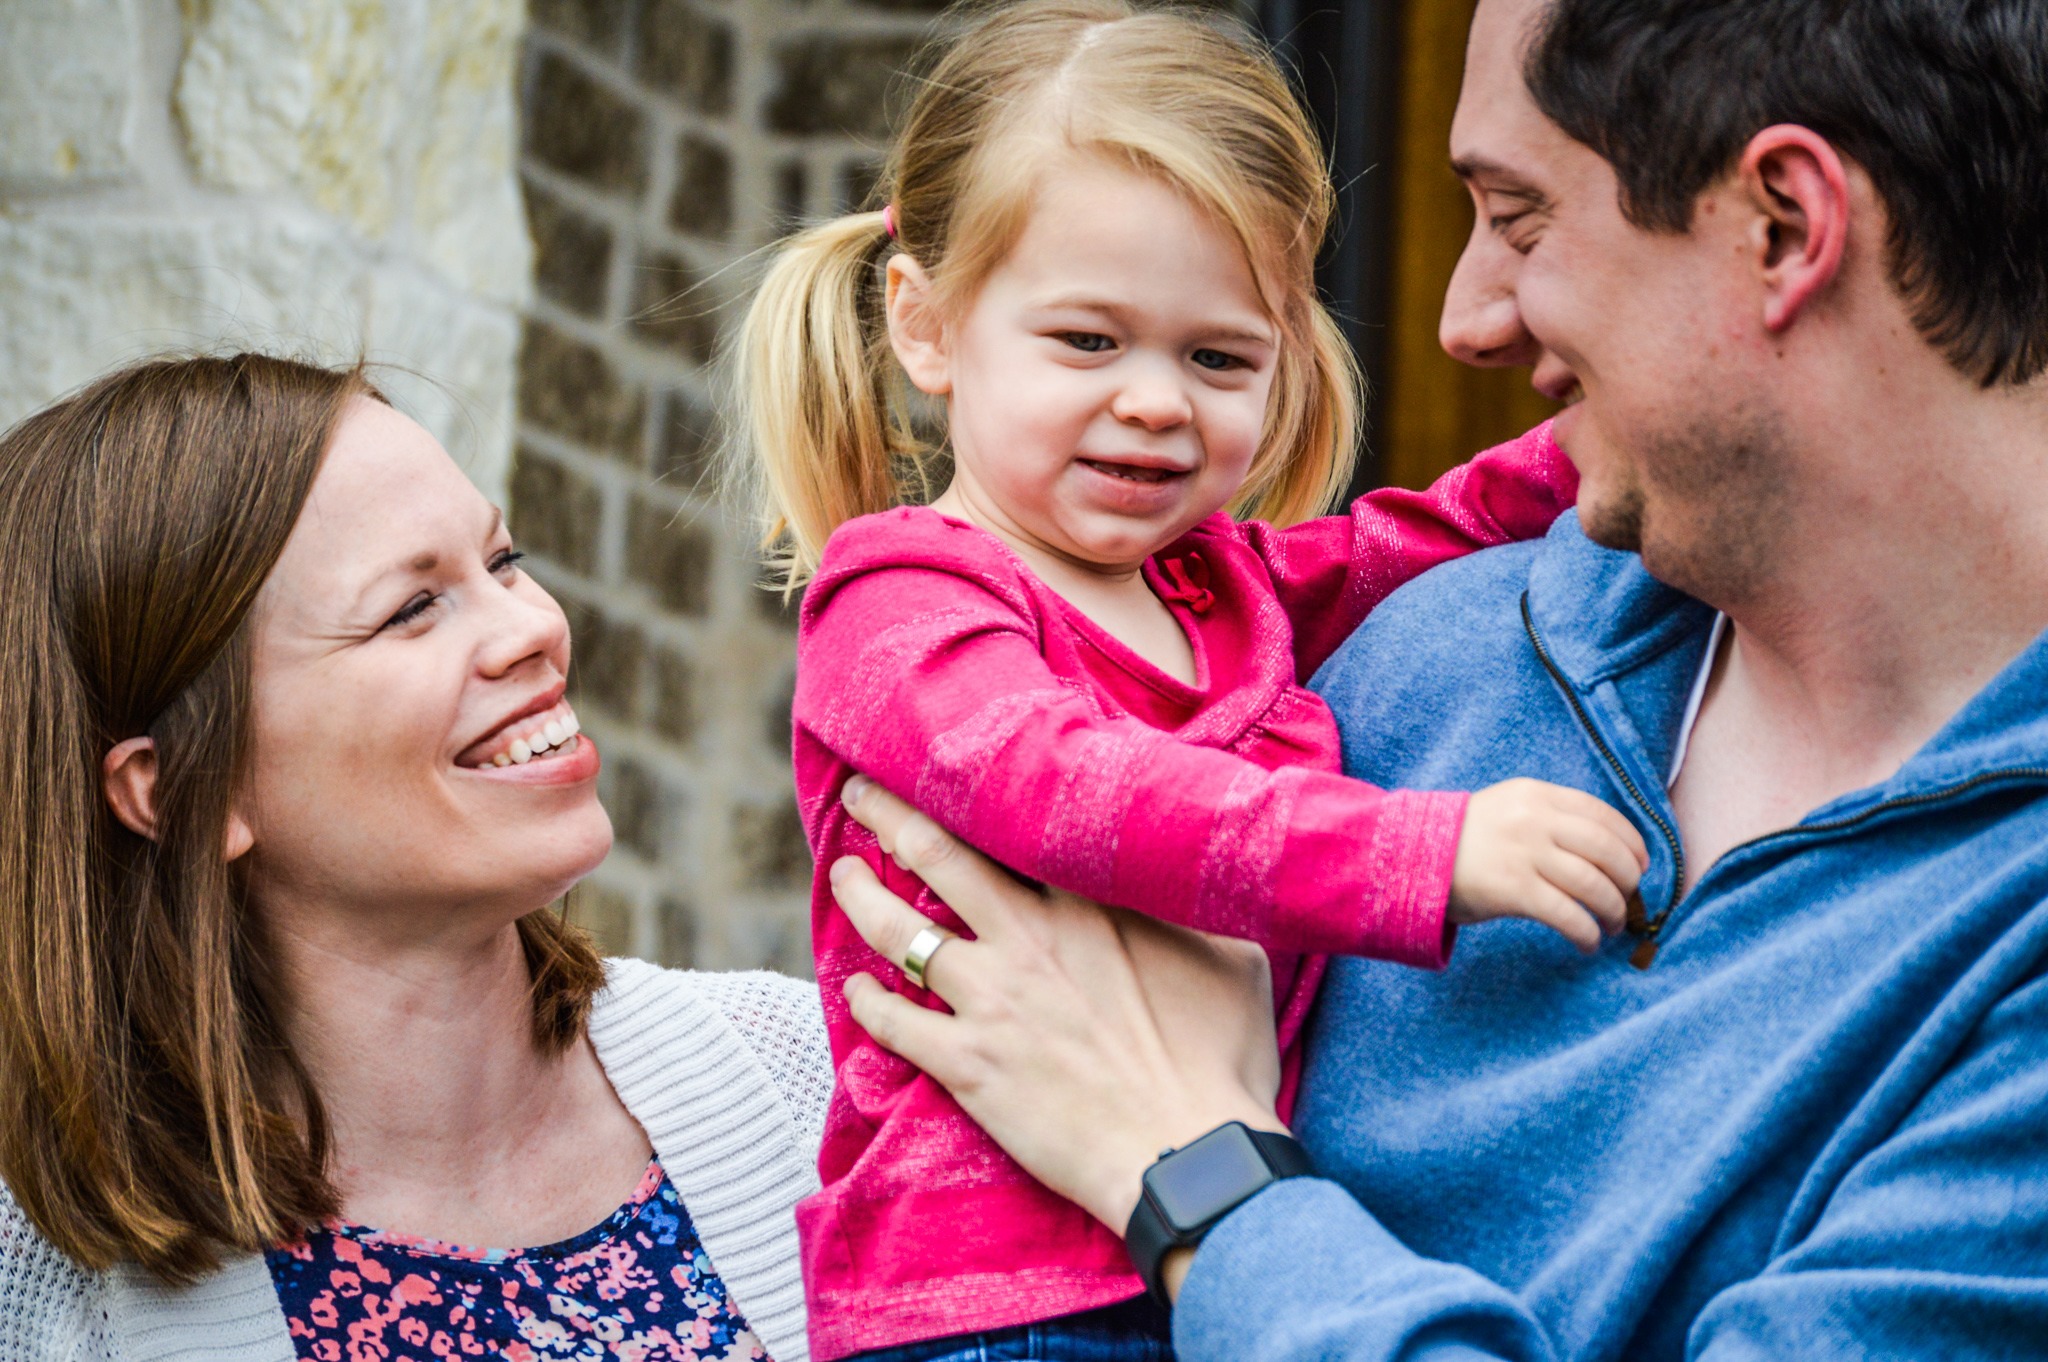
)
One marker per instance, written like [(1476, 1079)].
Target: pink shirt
[(931, 659)]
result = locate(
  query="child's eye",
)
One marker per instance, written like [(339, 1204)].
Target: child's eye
[(505, 561), (412, 610), (1088, 342), (1216, 359)]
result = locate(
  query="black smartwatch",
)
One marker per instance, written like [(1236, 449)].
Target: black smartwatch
[(1193, 1187)]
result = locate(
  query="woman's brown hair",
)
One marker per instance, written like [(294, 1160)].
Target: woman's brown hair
[(151, 1107)]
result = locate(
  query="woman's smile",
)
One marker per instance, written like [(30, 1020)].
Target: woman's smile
[(541, 743), (547, 730), (573, 762)]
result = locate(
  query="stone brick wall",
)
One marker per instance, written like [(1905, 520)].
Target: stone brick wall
[(329, 177), (665, 143)]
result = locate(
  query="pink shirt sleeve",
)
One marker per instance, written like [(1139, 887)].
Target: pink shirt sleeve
[(1330, 572), (921, 668)]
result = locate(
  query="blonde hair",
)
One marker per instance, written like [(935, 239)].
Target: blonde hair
[(831, 418)]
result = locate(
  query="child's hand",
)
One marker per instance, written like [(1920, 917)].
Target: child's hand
[(1550, 854)]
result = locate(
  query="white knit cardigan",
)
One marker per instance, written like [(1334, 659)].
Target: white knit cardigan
[(727, 1073)]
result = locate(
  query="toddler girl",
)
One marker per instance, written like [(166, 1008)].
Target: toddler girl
[(1099, 251)]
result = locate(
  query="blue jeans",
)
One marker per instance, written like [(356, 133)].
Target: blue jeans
[(1135, 1331)]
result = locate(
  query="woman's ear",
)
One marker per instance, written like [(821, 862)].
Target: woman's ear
[(916, 330), (240, 836), (128, 779)]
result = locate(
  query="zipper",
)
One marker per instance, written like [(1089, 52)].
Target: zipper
[(1999, 776), (1641, 925), (1648, 929)]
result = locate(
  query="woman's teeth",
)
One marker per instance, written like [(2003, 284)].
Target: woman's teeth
[(556, 733)]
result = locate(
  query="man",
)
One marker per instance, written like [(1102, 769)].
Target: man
[(1789, 263)]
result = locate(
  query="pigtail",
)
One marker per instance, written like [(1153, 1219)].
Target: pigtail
[(825, 416)]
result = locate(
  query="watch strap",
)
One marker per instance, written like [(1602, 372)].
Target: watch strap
[(1150, 1236), (1284, 1154), (1147, 1239)]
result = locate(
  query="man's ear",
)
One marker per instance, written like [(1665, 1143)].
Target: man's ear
[(917, 332), (128, 780), (1795, 181)]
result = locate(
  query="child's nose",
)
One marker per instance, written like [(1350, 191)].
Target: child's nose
[(1153, 400)]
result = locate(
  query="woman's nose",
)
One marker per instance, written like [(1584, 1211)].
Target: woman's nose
[(1482, 319), (518, 629), (1153, 400)]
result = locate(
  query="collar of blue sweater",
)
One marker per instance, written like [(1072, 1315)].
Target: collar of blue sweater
[(1626, 647)]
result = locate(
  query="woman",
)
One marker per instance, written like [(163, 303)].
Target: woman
[(292, 1052)]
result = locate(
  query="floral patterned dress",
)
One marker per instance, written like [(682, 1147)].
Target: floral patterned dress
[(637, 1288)]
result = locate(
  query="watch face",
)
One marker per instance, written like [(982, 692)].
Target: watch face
[(1202, 1181)]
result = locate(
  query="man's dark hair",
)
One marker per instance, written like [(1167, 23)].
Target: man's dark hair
[(1943, 102)]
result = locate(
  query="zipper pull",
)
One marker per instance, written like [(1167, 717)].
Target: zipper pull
[(1639, 925)]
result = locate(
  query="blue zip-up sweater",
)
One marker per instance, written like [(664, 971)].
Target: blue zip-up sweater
[(1816, 1127)]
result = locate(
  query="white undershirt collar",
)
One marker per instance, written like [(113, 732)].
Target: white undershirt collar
[(1699, 693)]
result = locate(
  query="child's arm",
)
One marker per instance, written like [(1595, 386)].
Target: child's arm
[(925, 674), (1330, 572)]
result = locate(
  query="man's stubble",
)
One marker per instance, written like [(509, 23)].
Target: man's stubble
[(1707, 502)]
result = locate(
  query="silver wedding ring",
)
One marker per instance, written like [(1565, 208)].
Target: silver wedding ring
[(923, 947)]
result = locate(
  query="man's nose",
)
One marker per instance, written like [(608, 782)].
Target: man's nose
[(1153, 399), (1482, 319)]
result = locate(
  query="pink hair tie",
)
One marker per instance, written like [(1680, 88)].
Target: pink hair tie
[(889, 220)]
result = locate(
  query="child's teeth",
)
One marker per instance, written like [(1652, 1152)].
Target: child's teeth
[(554, 732), (501, 760), (521, 753)]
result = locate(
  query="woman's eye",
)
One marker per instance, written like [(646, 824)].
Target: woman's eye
[(1216, 359), (412, 610), (506, 561), (1088, 342)]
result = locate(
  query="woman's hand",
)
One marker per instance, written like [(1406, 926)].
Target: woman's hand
[(1084, 1039)]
